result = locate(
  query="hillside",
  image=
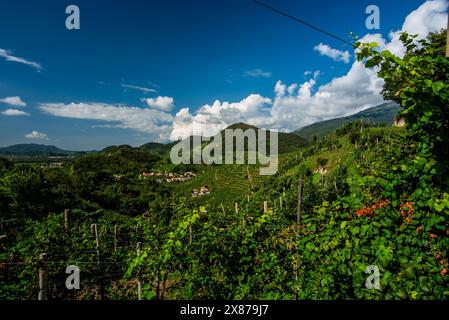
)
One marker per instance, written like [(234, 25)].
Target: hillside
[(157, 148), (288, 142), (383, 114), (34, 149), (345, 223)]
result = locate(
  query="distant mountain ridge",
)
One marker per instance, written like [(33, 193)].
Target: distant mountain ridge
[(383, 114), (30, 149)]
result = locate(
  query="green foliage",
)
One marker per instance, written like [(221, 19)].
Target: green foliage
[(201, 252), (420, 82), (371, 196)]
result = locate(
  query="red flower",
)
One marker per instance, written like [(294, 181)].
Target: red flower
[(369, 211), (406, 209)]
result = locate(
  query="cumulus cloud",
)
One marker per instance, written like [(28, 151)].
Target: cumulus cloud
[(257, 73), (429, 17), (13, 101), (210, 119), (8, 56), (334, 54), (300, 104), (14, 112), (160, 103), (153, 122), (138, 88), (37, 135), (292, 106)]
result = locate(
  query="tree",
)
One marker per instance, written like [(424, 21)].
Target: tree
[(419, 81)]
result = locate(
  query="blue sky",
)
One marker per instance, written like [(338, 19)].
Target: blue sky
[(192, 53)]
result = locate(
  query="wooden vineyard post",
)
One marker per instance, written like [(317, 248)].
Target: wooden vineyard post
[(116, 235), (158, 284), (190, 234), (67, 221), (265, 206), (43, 277), (236, 208), (295, 272), (280, 202), (94, 228), (95, 232), (298, 213), (222, 208), (139, 274)]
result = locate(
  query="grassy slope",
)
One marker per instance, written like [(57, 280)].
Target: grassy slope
[(227, 183)]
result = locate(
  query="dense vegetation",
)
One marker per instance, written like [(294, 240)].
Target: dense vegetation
[(370, 196)]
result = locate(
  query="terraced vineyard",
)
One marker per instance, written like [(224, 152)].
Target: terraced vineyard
[(228, 184)]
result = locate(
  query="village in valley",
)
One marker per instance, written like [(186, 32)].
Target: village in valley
[(170, 177)]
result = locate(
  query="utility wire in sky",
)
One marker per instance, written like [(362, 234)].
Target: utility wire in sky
[(302, 22)]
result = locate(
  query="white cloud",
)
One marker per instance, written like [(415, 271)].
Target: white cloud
[(153, 122), (11, 58), (257, 73), (160, 103), (334, 54), (37, 135), (14, 112), (13, 101), (300, 104), (138, 88), (429, 17), (291, 107), (210, 119)]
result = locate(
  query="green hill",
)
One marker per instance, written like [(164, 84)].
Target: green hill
[(288, 142), (157, 148), (383, 114), (34, 149)]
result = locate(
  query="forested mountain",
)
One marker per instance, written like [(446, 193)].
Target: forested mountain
[(384, 114), (34, 149)]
